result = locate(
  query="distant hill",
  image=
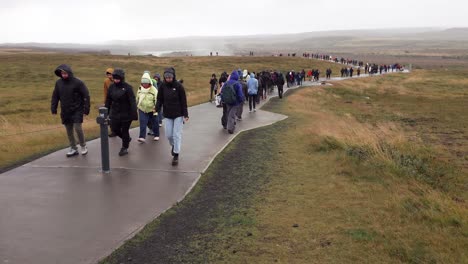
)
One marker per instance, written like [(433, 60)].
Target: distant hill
[(453, 41)]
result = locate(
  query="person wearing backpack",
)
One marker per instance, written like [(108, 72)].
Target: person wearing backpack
[(232, 97)]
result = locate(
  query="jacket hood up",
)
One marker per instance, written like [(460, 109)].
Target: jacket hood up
[(63, 67), (119, 73), (234, 76), (170, 70), (146, 78)]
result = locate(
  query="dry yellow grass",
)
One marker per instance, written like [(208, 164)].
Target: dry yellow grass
[(348, 210)]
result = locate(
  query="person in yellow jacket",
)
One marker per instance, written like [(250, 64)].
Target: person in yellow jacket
[(146, 104), (107, 83)]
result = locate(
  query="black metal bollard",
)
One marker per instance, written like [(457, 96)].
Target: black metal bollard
[(103, 121)]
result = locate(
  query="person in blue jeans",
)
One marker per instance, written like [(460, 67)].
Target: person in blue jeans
[(146, 104), (173, 100)]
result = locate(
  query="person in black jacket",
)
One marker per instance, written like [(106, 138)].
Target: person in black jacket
[(213, 86), (172, 99), (74, 103), (280, 84), (122, 107)]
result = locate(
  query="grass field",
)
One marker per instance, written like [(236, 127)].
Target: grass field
[(28, 81), (366, 171)]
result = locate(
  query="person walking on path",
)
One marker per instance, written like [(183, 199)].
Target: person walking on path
[(240, 108), (280, 84), (121, 103), (107, 83), (232, 97), (73, 96), (173, 100), (146, 104), (213, 86), (252, 90), (160, 115)]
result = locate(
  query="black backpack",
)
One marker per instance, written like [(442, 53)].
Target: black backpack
[(228, 93)]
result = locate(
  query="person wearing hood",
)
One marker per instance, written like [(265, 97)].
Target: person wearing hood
[(280, 84), (228, 119), (107, 83), (73, 96), (173, 100), (122, 107), (252, 91), (146, 104)]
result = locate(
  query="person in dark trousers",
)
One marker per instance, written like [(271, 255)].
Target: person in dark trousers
[(160, 116), (252, 91), (229, 116), (280, 84), (73, 96), (213, 86), (240, 108), (122, 107), (107, 83), (173, 100)]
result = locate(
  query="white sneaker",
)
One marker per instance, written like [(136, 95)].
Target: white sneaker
[(72, 152), (156, 138), (250, 111), (141, 140), (84, 150), (255, 110)]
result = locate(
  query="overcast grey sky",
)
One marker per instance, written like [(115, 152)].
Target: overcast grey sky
[(92, 21)]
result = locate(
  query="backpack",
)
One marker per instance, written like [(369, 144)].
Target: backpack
[(228, 94)]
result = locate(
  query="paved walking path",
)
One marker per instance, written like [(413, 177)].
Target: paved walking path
[(63, 210)]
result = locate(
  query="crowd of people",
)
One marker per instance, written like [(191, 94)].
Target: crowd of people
[(158, 98), (154, 98)]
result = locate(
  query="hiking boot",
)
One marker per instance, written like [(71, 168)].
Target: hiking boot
[(156, 138), (231, 131), (72, 152), (141, 140), (112, 134), (123, 152), (175, 160), (84, 150)]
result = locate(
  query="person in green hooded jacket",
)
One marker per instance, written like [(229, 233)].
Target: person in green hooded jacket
[(146, 104)]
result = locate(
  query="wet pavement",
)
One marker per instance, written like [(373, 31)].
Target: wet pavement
[(64, 210)]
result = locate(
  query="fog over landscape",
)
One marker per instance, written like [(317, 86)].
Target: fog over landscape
[(268, 28)]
